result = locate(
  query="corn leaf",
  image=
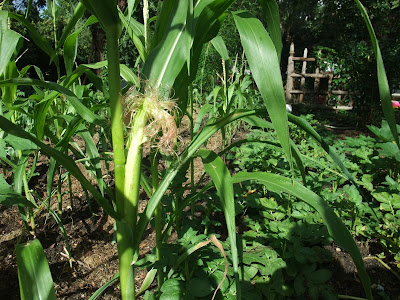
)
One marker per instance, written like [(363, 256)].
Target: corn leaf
[(136, 31), (148, 280), (9, 197), (98, 293), (128, 75), (62, 159), (163, 18), (78, 14), (19, 173), (107, 14), (173, 170), (384, 90), (279, 184), (81, 109), (8, 41), (34, 275), (132, 6), (208, 18), (71, 45), (256, 121), (94, 157), (264, 64), (303, 124), (9, 93), (165, 61), (8, 69), (271, 15), (28, 8), (37, 38), (220, 46), (222, 179), (205, 109), (207, 15), (189, 33)]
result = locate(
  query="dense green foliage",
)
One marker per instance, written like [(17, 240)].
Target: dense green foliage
[(271, 200)]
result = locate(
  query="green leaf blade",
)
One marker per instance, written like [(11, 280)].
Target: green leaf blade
[(165, 61), (8, 42), (258, 47), (220, 47), (34, 274), (336, 228), (271, 15), (384, 91)]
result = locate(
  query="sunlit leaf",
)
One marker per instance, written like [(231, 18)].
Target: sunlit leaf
[(8, 41), (64, 160), (264, 64), (165, 61), (279, 184), (271, 15), (34, 275), (220, 46)]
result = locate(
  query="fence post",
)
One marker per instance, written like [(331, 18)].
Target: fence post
[(290, 71), (303, 78), (330, 80), (316, 80)]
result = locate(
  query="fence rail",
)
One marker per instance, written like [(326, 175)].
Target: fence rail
[(300, 89)]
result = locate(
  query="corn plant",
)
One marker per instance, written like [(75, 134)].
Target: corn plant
[(170, 59)]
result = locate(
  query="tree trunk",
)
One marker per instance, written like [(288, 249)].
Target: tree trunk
[(99, 39), (98, 45)]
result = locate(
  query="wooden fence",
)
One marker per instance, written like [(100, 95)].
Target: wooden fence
[(296, 82)]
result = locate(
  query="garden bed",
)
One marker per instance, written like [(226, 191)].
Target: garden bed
[(95, 258)]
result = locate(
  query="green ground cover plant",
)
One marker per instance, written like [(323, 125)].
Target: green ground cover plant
[(277, 256)]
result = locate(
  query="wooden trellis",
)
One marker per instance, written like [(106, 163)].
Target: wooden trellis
[(296, 82)]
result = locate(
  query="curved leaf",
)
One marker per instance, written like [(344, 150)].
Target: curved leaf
[(136, 31), (271, 15), (8, 197), (128, 75), (9, 93), (173, 170), (207, 15), (256, 121), (78, 14), (37, 38), (71, 45), (337, 229), (64, 160), (206, 108), (107, 14), (132, 6), (81, 109), (97, 293), (196, 143), (162, 22), (222, 179), (384, 91), (208, 18), (94, 157), (8, 41), (264, 64), (220, 46)]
